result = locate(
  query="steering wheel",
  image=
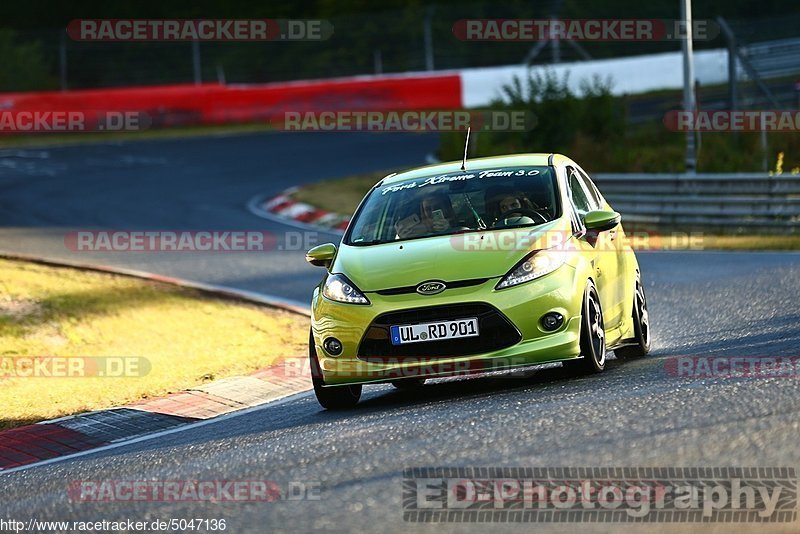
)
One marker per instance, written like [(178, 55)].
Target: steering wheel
[(522, 211)]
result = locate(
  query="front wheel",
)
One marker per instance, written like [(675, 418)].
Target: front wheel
[(331, 397), (593, 336), (641, 327)]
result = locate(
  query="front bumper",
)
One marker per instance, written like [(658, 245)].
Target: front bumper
[(521, 306)]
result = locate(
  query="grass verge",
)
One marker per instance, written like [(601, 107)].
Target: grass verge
[(180, 336), (341, 195), (751, 242), (177, 132)]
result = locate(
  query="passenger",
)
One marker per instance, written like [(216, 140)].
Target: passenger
[(437, 212)]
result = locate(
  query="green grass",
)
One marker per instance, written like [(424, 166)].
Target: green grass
[(63, 139), (751, 242), (185, 337), (342, 195)]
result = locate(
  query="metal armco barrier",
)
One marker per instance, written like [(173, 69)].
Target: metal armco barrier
[(730, 203)]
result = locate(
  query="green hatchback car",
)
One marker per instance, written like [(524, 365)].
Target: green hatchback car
[(510, 262)]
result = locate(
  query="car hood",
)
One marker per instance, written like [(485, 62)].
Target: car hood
[(465, 256)]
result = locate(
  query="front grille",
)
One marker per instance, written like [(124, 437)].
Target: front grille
[(496, 332), (450, 285)]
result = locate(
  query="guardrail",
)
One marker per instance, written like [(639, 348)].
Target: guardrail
[(720, 202), (773, 59)]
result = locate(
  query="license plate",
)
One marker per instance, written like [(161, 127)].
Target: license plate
[(416, 333)]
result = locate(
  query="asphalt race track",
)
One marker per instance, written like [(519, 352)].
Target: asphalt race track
[(185, 185), (635, 414)]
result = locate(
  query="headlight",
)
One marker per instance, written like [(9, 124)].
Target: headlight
[(339, 288), (534, 265)]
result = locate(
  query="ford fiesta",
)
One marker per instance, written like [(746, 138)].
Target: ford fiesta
[(514, 261)]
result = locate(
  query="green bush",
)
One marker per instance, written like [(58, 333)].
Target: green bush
[(24, 65), (592, 129), (562, 118)]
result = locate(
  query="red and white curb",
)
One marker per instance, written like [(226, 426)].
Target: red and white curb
[(67, 437), (284, 209)]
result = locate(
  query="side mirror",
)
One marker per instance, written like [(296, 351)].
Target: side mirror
[(601, 220), (321, 255)]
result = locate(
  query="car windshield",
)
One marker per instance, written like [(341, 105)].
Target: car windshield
[(506, 197)]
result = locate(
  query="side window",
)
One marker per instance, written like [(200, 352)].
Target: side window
[(579, 197), (594, 194)]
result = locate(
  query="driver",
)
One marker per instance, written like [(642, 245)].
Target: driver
[(508, 203), (503, 202)]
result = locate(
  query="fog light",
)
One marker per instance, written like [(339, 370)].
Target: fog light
[(332, 346), (552, 321)]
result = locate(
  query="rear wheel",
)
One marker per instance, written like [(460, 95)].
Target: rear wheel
[(593, 336), (331, 397), (641, 327)]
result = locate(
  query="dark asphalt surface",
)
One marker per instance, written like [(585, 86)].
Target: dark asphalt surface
[(185, 185), (635, 414)]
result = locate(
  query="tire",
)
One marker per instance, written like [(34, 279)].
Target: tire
[(409, 383), (593, 336), (331, 397), (641, 327)]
